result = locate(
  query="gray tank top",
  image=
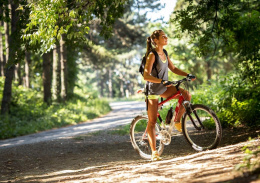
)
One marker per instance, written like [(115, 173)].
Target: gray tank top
[(162, 68)]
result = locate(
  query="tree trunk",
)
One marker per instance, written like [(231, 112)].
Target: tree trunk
[(63, 73), (208, 69), (7, 41), (100, 83), (27, 70), (56, 75), (110, 84), (46, 77), (17, 73), (122, 88), (7, 93), (1, 45), (2, 61)]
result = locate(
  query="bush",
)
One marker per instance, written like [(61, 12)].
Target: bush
[(251, 160), (234, 100), (29, 114), (239, 103)]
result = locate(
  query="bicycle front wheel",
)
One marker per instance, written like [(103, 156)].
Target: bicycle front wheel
[(139, 137), (201, 128)]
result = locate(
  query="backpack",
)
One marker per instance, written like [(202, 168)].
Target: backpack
[(142, 66), (141, 70)]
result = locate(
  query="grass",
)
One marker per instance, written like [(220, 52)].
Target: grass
[(29, 114), (121, 130), (82, 137)]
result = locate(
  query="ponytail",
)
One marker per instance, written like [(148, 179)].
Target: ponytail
[(149, 46), (150, 42)]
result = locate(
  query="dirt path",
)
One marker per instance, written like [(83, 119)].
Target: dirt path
[(102, 157), (122, 113)]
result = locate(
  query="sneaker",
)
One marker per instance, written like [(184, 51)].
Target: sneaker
[(155, 156), (178, 126)]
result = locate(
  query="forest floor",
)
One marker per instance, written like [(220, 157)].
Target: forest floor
[(103, 157)]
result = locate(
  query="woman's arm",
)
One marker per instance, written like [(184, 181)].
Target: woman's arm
[(148, 69), (175, 69)]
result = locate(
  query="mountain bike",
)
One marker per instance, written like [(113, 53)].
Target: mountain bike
[(200, 126)]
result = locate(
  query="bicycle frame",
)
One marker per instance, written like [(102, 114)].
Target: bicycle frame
[(177, 108)]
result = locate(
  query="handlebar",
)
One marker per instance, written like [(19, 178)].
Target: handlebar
[(182, 80), (177, 83)]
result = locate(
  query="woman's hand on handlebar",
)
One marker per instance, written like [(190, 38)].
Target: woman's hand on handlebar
[(191, 77), (166, 83)]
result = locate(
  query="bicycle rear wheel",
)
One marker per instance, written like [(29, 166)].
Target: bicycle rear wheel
[(139, 137), (201, 128)]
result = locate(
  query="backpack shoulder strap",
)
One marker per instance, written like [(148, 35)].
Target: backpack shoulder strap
[(155, 62), (165, 52)]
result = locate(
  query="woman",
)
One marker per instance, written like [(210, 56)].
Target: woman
[(159, 87)]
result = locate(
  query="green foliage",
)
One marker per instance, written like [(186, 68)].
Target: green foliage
[(233, 99), (209, 124), (117, 58), (122, 130), (50, 19), (239, 103), (29, 114), (251, 160), (229, 25), (207, 95), (234, 105)]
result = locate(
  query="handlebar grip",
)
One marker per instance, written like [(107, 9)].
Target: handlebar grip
[(174, 82), (190, 76)]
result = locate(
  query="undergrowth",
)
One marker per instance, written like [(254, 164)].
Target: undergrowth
[(251, 160), (29, 114)]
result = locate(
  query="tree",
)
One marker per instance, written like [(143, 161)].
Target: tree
[(50, 20), (56, 73), (67, 22), (2, 60), (7, 7), (11, 59), (230, 25), (46, 77), (63, 63), (27, 70), (121, 51), (183, 50)]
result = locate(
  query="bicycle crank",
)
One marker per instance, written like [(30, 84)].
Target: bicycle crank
[(165, 137)]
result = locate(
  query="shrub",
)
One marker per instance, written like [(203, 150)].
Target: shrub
[(251, 160), (29, 114), (235, 101), (239, 103)]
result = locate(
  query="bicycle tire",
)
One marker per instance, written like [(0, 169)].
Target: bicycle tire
[(200, 138), (139, 137)]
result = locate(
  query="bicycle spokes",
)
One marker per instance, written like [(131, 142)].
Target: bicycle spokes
[(195, 122), (139, 137), (202, 128)]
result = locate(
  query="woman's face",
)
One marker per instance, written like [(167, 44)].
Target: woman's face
[(163, 39)]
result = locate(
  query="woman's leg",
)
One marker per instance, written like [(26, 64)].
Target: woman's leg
[(187, 96), (171, 91), (152, 117)]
